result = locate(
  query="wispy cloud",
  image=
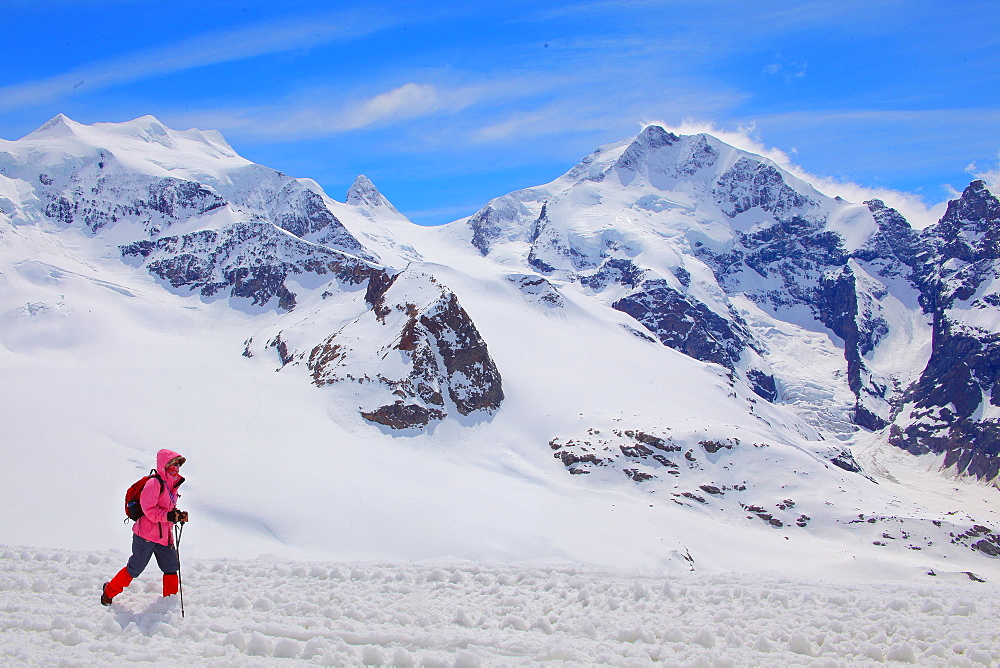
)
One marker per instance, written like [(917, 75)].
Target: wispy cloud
[(789, 71), (324, 112), (990, 176), (207, 49)]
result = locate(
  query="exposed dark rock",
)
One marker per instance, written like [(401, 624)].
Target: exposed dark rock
[(444, 353), (654, 441), (684, 325), (988, 547), (490, 222), (895, 248), (692, 328), (403, 416), (837, 308), (845, 460), (473, 379), (249, 260), (964, 367), (972, 447), (970, 228), (660, 153), (637, 451), (751, 183), (762, 384), (614, 270), (569, 458), (651, 138), (281, 347), (715, 446), (304, 213), (639, 476), (537, 290), (378, 284), (155, 203), (683, 275)]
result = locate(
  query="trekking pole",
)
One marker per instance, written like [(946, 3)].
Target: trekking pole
[(178, 530)]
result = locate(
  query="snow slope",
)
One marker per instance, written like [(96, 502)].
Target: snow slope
[(459, 613)]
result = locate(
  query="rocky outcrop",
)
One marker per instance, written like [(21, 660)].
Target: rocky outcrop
[(537, 290), (947, 409), (836, 306), (684, 325), (689, 326), (494, 219), (417, 350), (247, 260), (895, 249), (616, 271), (96, 199), (969, 231), (751, 183)]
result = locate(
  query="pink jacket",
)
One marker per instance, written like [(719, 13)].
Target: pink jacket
[(158, 500)]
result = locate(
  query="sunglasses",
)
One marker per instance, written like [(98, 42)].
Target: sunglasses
[(179, 461)]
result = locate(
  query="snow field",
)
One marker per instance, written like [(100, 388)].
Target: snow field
[(460, 613)]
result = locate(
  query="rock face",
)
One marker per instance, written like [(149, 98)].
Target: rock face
[(418, 354), (247, 260), (684, 325), (952, 407)]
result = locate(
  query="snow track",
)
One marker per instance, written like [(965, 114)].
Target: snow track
[(469, 614)]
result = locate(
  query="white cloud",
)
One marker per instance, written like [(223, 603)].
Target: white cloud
[(207, 49), (407, 101), (323, 113), (787, 71), (990, 176)]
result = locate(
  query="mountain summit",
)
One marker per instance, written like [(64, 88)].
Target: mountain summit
[(364, 193)]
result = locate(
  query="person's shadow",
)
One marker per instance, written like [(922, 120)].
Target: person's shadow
[(159, 613)]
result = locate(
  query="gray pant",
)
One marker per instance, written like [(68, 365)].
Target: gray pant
[(142, 550)]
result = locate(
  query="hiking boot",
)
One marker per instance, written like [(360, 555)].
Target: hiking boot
[(111, 589), (105, 599)]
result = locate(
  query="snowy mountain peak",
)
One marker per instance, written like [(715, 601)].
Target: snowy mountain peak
[(57, 126), (653, 137), (144, 138), (363, 193)]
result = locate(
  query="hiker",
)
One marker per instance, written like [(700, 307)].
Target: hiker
[(153, 531)]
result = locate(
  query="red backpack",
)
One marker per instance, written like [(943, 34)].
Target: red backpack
[(133, 508)]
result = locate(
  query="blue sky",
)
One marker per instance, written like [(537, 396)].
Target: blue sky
[(445, 105)]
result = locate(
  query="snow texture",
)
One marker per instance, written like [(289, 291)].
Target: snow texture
[(456, 613)]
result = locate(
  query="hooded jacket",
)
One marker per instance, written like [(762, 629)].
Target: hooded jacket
[(158, 500)]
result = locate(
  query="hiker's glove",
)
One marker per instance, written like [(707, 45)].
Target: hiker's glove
[(177, 516)]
